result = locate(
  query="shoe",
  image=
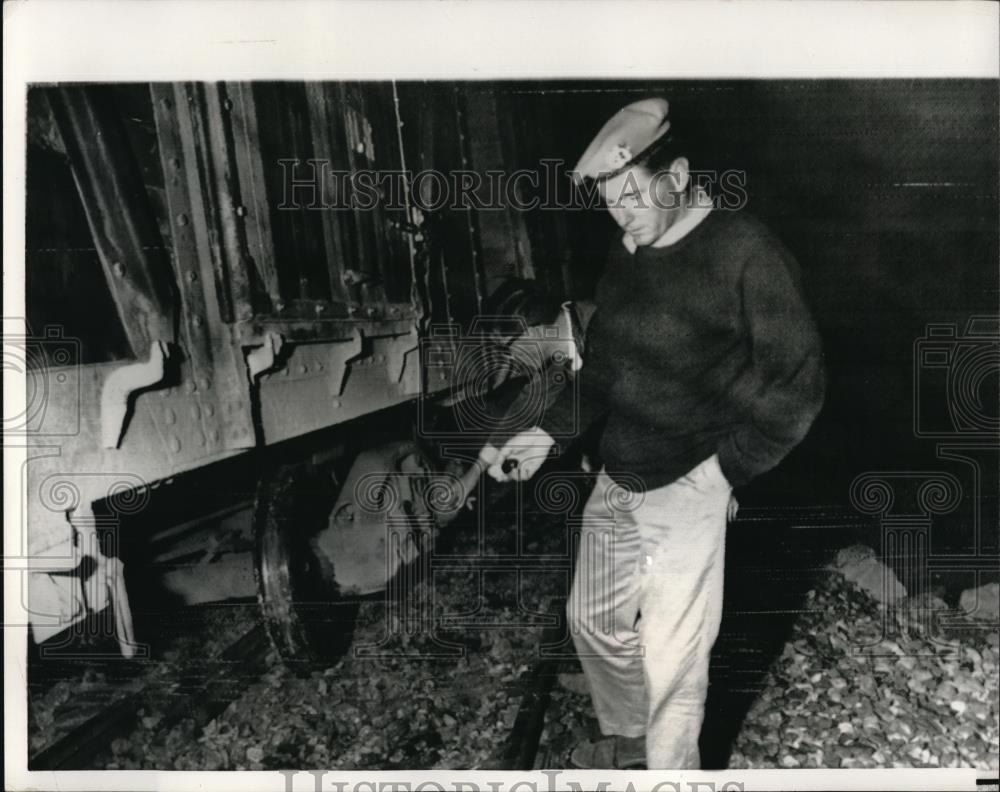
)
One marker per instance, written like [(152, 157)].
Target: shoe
[(604, 754)]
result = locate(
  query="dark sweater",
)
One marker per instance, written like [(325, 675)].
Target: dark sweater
[(705, 346)]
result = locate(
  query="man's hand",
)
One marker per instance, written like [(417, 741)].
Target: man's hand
[(732, 509), (520, 456)]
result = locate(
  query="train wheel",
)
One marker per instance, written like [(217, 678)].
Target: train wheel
[(308, 622)]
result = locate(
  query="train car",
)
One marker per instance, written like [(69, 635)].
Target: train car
[(224, 270)]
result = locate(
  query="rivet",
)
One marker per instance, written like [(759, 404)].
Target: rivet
[(279, 306), (352, 309), (241, 211), (442, 376), (203, 383), (192, 277), (360, 148), (175, 162), (336, 404), (319, 367), (209, 410), (214, 435), (118, 268), (370, 311), (169, 417), (202, 440), (381, 358), (175, 444), (303, 368), (189, 387), (195, 412), (319, 309), (228, 104), (182, 219), (196, 320)]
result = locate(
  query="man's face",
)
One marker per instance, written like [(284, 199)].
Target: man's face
[(643, 204)]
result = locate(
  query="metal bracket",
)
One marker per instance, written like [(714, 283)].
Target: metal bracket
[(339, 369), (262, 358), (120, 385), (396, 357)]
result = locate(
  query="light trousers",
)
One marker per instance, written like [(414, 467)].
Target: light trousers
[(646, 605)]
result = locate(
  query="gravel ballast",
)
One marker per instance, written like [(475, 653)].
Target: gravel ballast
[(861, 686)]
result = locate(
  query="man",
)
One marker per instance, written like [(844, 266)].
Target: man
[(707, 365)]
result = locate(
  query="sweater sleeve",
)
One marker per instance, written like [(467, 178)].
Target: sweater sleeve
[(781, 391), (553, 400), (576, 407), (561, 402)]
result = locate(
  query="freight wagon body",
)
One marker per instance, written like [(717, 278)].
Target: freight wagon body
[(218, 269)]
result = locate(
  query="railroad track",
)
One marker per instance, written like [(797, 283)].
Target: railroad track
[(206, 689), (205, 696)]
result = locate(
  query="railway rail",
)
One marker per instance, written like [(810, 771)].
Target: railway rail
[(225, 677)]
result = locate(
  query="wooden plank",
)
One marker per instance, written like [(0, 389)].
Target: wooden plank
[(114, 199), (253, 188), (361, 155), (329, 145)]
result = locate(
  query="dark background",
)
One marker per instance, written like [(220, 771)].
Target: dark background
[(886, 193)]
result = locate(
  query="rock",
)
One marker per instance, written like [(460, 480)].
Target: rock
[(982, 603), (875, 579), (574, 683), (855, 554)]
